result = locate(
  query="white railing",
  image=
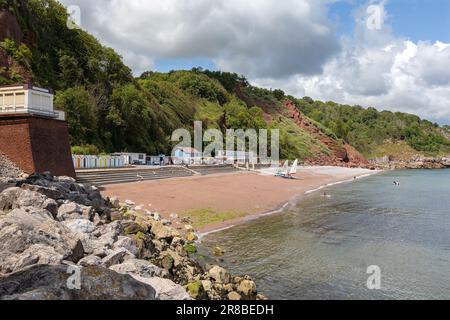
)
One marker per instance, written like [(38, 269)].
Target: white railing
[(20, 109), (97, 162)]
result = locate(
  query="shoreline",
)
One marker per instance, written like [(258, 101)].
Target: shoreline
[(219, 202), (279, 210)]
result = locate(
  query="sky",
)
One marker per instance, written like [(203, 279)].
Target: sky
[(388, 54)]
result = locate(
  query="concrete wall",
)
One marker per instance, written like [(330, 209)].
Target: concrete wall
[(36, 144)]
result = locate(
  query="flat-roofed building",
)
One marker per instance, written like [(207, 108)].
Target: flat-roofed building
[(33, 134), (26, 99)]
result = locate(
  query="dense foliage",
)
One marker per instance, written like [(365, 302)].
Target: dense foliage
[(109, 110), (366, 129)]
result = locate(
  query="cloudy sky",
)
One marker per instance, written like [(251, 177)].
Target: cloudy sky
[(392, 54)]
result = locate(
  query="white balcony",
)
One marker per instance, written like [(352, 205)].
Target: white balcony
[(28, 100)]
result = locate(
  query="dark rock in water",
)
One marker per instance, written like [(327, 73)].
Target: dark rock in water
[(61, 282)]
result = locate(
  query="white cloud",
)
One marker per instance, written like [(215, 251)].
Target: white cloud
[(287, 44), (377, 69), (260, 38)]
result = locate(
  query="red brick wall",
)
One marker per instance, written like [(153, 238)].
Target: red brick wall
[(37, 144)]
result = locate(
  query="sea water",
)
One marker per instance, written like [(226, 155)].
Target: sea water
[(324, 247)]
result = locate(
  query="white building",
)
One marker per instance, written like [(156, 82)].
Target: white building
[(26, 99), (132, 158), (186, 155)]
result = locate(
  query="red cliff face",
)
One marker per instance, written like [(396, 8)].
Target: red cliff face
[(9, 27), (342, 154)]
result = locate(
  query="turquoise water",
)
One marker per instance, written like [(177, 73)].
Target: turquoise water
[(321, 249)]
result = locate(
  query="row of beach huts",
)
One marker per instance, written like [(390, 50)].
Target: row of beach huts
[(181, 156)]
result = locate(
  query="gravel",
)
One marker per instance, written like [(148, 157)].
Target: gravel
[(8, 169)]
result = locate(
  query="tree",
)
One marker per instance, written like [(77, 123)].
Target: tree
[(79, 107), (279, 94), (71, 73)]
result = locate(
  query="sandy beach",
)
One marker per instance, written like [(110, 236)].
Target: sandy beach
[(219, 201)]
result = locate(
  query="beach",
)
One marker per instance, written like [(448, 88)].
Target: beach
[(221, 201)]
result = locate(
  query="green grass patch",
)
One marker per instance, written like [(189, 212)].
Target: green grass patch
[(205, 217), (396, 150)]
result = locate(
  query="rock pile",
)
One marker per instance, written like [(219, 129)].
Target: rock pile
[(8, 170), (50, 227)]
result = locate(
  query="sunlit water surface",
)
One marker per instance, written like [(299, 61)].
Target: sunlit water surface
[(321, 249)]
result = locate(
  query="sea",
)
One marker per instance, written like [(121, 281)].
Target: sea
[(364, 240)]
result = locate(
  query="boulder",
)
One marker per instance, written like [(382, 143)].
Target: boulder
[(196, 290), (28, 238), (61, 282), (219, 252), (80, 226), (234, 296), (219, 275), (165, 289), (14, 198), (133, 227), (115, 202), (70, 210), (162, 232), (247, 288), (117, 257), (140, 268), (128, 243), (90, 261), (191, 237)]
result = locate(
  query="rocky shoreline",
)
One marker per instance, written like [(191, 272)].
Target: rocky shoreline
[(62, 240), (417, 162)]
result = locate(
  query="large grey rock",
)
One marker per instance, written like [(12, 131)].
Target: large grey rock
[(165, 289), (44, 282), (117, 257), (14, 198), (219, 275), (162, 232), (91, 261), (108, 235), (247, 288), (128, 243), (140, 268), (70, 210), (80, 226), (33, 237)]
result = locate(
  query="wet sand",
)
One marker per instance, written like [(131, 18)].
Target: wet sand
[(247, 194)]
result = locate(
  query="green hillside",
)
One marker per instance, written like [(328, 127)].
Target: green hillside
[(109, 110), (371, 131)]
